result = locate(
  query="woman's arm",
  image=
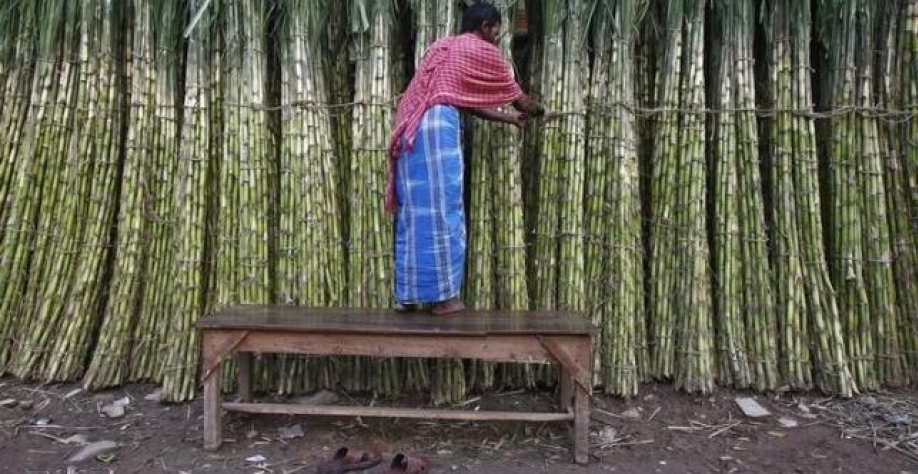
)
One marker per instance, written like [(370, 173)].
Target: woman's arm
[(529, 106), (497, 116)]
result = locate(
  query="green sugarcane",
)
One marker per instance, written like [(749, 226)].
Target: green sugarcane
[(728, 301), (570, 286), (15, 103), (790, 301), (693, 347), (109, 361), (190, 202), (599, 166), (663, 204), (545, 257), (57, 96), (847, 258), (878, 269), (902, 66), (155, 311), (621, 273)]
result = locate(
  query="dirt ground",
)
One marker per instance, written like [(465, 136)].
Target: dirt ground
[(662, 431)]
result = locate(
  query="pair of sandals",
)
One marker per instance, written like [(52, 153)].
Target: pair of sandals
[(346, 460), (450, 306)]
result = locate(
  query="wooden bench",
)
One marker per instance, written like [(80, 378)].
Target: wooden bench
[(498, 336)]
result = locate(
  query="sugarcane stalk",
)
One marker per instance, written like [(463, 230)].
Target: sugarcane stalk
[(49, 141), (545, 257), (152, 333), (188, 264), (902, 170), (110, 360), (663, 204)]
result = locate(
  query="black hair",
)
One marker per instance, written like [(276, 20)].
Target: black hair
[(479, 14)]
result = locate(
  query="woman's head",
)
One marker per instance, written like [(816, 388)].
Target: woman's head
[(483, 19)]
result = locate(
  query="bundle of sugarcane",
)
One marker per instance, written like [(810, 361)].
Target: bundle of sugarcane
[(904, 258), (369, 247), (903, 66), (478, 291), (505, 160), (370, 232), (311, 256), (663, 206), (679, 250), (758, 295), (338, 74), (879, 274), (786, 193), (311, 270), (804, 296), (859, 245), (908, 80), (556, 257), (9, 35), (612, 244), (885, 273), (109, 364), (532, 136), (151, 335), (196, 156), (571, 155), (243, 274), (733, 365), (14, 169), (599, 146), (89, 293), (558, 246), (647, 52), (694, 348), (232, 34), (743, 299), (544, 255), (33, 171), (20, 171), (54, 309), (433, 20), (16, 56)]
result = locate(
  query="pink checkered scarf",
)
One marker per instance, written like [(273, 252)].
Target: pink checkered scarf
[(463, 71)]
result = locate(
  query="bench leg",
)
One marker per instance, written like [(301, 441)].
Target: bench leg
[(565, 389), (582, 396), (581, 425), (213, 423), (244, 376)]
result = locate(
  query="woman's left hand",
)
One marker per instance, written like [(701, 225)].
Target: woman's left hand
[(518, 119)]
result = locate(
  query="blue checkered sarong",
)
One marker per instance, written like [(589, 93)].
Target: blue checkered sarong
[(430, 233)]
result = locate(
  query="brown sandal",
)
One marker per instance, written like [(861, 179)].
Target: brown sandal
[(346, 460), (450, 306), (402, 464)]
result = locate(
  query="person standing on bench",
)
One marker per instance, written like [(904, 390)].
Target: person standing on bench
[(425, 190)]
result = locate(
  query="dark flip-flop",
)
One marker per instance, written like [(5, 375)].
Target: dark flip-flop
[(346, 460), (404, 308), (402, 464)]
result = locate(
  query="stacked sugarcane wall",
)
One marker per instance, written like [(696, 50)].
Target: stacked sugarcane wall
[(730, 193)]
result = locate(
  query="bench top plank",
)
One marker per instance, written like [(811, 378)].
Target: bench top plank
[(386, 321)]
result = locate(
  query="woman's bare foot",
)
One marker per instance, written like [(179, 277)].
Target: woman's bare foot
[(450, 306)]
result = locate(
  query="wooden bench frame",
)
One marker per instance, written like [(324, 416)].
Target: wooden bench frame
[(528, 338)]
